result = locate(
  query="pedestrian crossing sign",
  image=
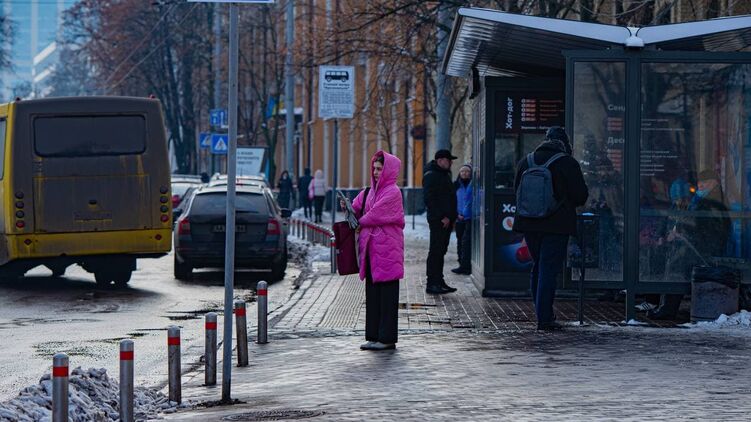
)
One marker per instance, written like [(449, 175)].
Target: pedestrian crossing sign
[(219, 143), (204, 140)]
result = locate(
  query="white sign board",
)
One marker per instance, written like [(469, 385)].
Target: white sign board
[(336, 92), (250, 161)]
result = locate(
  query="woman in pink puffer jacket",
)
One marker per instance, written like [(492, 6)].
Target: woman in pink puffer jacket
[(381, 247)]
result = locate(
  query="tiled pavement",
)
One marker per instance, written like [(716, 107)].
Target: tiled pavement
[(464, 357)]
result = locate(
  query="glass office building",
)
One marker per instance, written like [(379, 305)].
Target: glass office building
[(34, 50)]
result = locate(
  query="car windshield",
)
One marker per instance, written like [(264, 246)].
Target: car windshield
[(216, 203)]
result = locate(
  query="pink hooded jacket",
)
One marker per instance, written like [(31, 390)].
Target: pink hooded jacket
[(382, 236)]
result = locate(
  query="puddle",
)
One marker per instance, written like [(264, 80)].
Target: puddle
[(190, 315), (416, 305)]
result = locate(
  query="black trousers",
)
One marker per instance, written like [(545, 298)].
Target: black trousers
[(439, 245), (465, 261), (307, 205), (381, 309), (460, 228), (319, 207)]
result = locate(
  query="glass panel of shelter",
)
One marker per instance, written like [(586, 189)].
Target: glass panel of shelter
[(598, 137), (694, 169)]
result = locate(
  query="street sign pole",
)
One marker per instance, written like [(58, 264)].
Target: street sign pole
[(229, 255), (336, 172)]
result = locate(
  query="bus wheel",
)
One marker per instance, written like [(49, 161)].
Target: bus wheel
[(58, 270), (122, 277)]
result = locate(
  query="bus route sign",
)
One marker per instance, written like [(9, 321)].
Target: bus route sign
[(336, 92)]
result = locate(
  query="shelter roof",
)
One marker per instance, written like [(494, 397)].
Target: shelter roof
[(499, 43)]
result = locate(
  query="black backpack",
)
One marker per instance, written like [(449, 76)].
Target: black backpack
[(534, 197)]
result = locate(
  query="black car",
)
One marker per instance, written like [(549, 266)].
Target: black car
[(260, 231)]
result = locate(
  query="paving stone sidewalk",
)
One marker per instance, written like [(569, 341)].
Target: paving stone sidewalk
[(464, 357)]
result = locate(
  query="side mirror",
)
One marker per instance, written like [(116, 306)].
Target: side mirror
[(286, 213)]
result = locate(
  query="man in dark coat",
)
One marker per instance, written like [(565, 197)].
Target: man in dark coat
[(302, 188), (547, 238), (440, 200)]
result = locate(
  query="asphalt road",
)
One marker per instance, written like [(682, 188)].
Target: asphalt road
[(41, 315)]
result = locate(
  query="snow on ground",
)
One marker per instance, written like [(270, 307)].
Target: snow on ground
[(740, 320), (306, 253), (93, 396)]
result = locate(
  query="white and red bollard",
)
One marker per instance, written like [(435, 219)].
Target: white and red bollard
[(242, 333), (60, 388), (263, 311), (126, 381), (173, 353), (210, 349)]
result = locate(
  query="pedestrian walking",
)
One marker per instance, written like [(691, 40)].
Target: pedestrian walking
[(463, 185), (549, 186), (440, 201), (303, 185), (318, 190), (381, 251), (285, 189)]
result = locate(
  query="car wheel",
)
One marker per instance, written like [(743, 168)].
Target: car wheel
[(278, 267), (183, 270)]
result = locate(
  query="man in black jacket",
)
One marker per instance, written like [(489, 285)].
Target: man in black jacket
[(440, 200), (547, 238)]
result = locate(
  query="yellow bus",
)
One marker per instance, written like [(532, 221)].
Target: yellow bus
[(84, 180)]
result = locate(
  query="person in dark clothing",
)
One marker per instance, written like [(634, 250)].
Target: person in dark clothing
[(303, 183), (701, 234), (463, 186), (547, 237), (440, 201), (285, 189)]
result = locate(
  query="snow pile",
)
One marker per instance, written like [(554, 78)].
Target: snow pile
[(93, 396), (306, 253), (741, 319)]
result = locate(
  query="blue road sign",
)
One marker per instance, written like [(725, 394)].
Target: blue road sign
[(204, 140), (218, 117), (219, 143)]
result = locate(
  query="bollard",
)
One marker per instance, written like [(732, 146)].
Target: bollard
[(126, 380), (333, 255), (210, 350), (60, 388), (263, 312), (242, 333), (173, 346)]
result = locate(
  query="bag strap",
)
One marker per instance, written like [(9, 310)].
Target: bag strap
[(531, 160), (553, 159), (364, 200)]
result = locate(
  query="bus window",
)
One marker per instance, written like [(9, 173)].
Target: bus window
[(2, 148), (85, 136)]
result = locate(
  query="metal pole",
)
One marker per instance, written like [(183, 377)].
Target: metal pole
[(217, 71), (242, 333), (332, 252), (336, 171), (289, 89), (263, 312), (173, 358), (229, 254), (210, 349), (60, 388), (126, 380)]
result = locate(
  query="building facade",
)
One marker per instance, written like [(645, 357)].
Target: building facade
[(34, 51)]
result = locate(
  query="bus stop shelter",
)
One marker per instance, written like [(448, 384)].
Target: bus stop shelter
[(649, 111)]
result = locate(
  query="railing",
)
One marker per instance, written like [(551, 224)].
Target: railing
[(316, 234)]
